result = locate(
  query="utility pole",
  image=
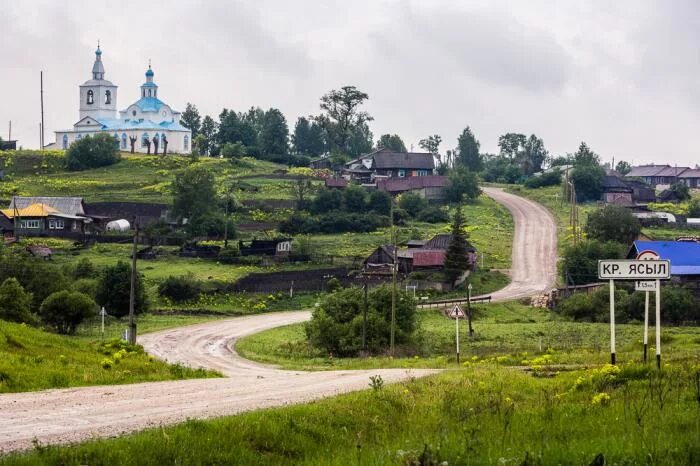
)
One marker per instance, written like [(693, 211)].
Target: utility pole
[(41, 83), (393, 283), (132, 292), (364, 320), (9, 132), (469, 310), (226, 219)]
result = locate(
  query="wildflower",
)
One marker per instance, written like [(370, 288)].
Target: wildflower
[(600, 399)]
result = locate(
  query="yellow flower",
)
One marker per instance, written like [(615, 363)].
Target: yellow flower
[(600, 399)]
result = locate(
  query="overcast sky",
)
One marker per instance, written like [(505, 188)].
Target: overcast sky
[(624, 76)]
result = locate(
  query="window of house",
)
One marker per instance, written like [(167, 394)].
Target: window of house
[(402, 173), (108, 97), (30, 224), (80, 136), (144, 140), (65, 141), (56, 224), (186, 143), (90, 97)]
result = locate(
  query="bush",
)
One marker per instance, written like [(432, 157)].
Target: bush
[(114, 287), (580, 264), (327, 200), (694, 209), (211, 225), (84, 269), (433, 215), (35, 275), (99, 150), (332, 222), (65, 310), (380, 202), (613, 223), (551, 178), (355, 199), (229, 255), (412, 203), (15, 303), (179, 289), (462, 185), (86, 286), (588, 180), (336, 325)]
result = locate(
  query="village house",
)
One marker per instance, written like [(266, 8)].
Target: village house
[(658, 175), (263, 247), (431, 187), (691, 178), (386, 163), (7, 228), (684, 257), (47, 216)]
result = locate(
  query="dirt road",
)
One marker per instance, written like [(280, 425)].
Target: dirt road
[(71, 415), (534, 263)]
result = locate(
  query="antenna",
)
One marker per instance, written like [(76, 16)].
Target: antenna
[(41, 85)]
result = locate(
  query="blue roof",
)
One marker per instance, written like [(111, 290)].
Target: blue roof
[(147, 84), (149, 104), (684, 255), (149, 72), (114, 124)]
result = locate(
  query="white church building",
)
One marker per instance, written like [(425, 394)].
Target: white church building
[(147, 119)]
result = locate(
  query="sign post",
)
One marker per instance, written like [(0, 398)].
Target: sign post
[(646, 286), (103, 313), (456, 313), (469, 310), (646, 268)]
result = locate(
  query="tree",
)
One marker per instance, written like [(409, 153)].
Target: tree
[(327, 200), (391, 141), (412, 203), (235, 127), (360, 141), (585, 156), (457, 256), (180, 289), (694, 209), (274, 133), (580, 264), (431, 144), (336, 326), (65, 310), (623, 167), (233, 150), (193, 192), (379, 202), (308, 138), (462, 184), (533, 156), (99, 150), (510, 145), (681, 190), (355, 199), (209, 131), (114, 287), (468, 151), (588, 180), (191, 119), (15, 303), (342, 116), (613, 223), (302, 188)]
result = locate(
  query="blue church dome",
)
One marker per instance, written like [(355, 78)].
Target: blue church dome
[(149, 73)]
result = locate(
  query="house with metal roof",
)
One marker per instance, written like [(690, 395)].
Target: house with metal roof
[(43, 220), (386, 162), (431, 187), (656, 175), (683, 255), (145, 126), (691, 178), (67, 205)]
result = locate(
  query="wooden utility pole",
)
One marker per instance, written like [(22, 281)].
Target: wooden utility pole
[(364, 320), (132, 291), (9, 132), (41, 84), (393, 283)]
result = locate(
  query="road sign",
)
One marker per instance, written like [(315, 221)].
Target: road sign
[(645, 285), (648, 255), (457, 312), (634, 269)]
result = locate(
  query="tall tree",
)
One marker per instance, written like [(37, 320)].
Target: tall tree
[(342, 115), (533, 155), (510, 145), (233, 127), (431, 144), (391, 141), (585, 156), (457, 256), (308, 137), (360, 141), (623, 167), (274, 133), (468, 151), (209, 130), (193, 192), (191, 119)]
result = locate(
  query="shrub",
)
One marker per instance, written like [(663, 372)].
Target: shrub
[(114, 287), (332, 222), (211, 225), (229, 255), (35, 275), (580, 264), (462, 184), (433, 215), (355, 199), (327, 200), (588, 180), (65, 310), (412, 203), (613, 223), (379, 202), (336, 325), (87, 286), (15, 303), (179, 289), (694, 209), (84, 269), (551, 178), (99, 150)]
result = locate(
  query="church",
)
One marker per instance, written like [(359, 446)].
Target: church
[(148, 124)]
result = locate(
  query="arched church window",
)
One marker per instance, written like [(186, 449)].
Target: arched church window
[(108, 97), (123, 140), (143, 92), (186, 143), (133, 113), (144, 140), (149, 93), (65, 141), (90, 97)]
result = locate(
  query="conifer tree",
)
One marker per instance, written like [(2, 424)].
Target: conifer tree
[(457, 257)]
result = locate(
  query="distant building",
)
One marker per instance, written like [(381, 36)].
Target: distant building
[(658, 175), (683, 255), (386, 163), (431, 187), (147, 119), (8, 145), (691, 178)]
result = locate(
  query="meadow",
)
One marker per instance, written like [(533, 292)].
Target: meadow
[(482, 414)]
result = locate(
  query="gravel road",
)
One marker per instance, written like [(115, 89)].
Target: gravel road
[(72, 415)]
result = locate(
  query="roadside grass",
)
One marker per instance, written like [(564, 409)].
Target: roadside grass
[(477, 415), (510, 334), (32, 359), (669, 233)]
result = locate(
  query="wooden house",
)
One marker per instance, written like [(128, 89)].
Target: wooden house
[(691, 178), (388, 163), (266, 247), (44, 220), (431, 187), (7, 228)]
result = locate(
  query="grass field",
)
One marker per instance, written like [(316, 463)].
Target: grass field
[(477, 415), (31, 359), (505, 333)]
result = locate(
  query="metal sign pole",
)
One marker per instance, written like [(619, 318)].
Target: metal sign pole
[(646, 325), (457, 335), (102, 314), (612, 322), (658, 324)]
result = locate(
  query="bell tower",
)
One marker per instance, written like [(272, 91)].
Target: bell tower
[(98, 97)]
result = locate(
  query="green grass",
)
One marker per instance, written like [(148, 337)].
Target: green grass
[(479, 415), (505, 333), (32, 359)]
